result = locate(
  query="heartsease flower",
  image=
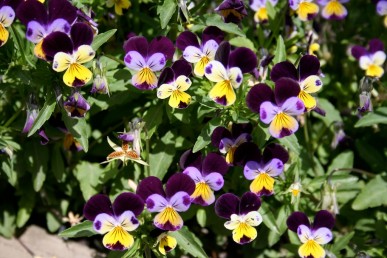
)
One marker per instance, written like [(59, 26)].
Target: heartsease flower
[(242, 215), (166, 243), (232, 10), (381, 9), (202, 53), (333, 9), (76, 105), (259, 6), (115, 220), (174, 82), (176, 198), (147, 58), (306, 75), (306, 9), (312, 236), (207, 174), (277, 108), (118, 5), (7, 15)]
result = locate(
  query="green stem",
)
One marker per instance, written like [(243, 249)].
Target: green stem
[(21, 49), (349, 170), (147, 148), (147, 252), (115, 59), (12, 118), (308, 142)]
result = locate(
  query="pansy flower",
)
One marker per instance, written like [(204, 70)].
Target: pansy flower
[(41, 21), (306, 9), (371, 59), (169, 202), (312, 236), (228, 140), (232, 10), (76, 105), (306, 74), (242, 215), (333, 9), (147, 58), (259, 6), (381, 9), (202, 53), (166, 243), (265, 168), (7, 15), (174, 82), (118, 5), (227, 72), (70, 143), (115, 220), (207, 174), (277, 108)]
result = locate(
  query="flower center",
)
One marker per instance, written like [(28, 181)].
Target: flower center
[(202, 189)]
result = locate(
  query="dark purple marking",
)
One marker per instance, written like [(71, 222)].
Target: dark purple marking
[(134, 220), (239, 79), (209, 68), (182, 104), (150, 203), (186, 200), (222, 100), (299, 105), (219, 182), (318, 83), (263, 113), (117, 246), (279, 165), (29, 32), (162, 61), (245, 240), (97, 225), (128, 59), (285, 132), (77, 82)]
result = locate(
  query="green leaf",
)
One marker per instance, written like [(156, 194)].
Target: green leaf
[(84, 229), (162, 156), (343, 160), (53, 224), (242, 42), (342, 242), (153, 118), (44, 114), (39, 165), (379, 116), (88, 175), (280, 51), (79, 129), (26, 205), (186, 240), (291, 142), (57, 163), (274, 237), (205, 135), (133, 250), (201, 217), (166, 12), (373, 195), (216, 20), (268, 218), (102, 38)]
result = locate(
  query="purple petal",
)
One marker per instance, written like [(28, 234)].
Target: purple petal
[(56, 42), (32, 11), (190, 159), (375, 45), (212, 32), (243, 58), (358, 51), (181, 67), (137, 43), (179, 182), (128, 202), (322, 235), (251, 170), (226, 205), (156, 203), (97, 204), (161, 45), (323, 218), (309, 65), (267, 112), (249, 202), (257, 95), (148, 186), (76, 105), (274, 167), (218, 134), (214, 163), (245, 152), (293, 106), (284, 89), (238, 129), (284, 69), (81, 34), (156, 62), (215, 181), (194, 173), (223, 53), (180, 201), (185, 39), (275, 150), (304, 233), (43, 137), (167, 76), (59, 25), (296, 219), (61, 9), (35, 32)]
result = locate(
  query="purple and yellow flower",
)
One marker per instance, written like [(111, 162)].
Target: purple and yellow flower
[(242, 214), (70, 143), (333, 9), (41, 21), (115, 220), (232, 10), (166, 243), (306, 74), (118, 5), (263, 170), (169, 202), (259, 6), (371, 60), (227, 72), (207, 175), (76, 105), (306, 9), (7, 16), (381, 9), (202, 53), (174, 82), (147, 58), (312, 236), (228, 140), (277, 108)]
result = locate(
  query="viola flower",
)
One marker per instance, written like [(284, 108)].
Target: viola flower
[(118, 5), (207, 175), (295, 189), (7, 16), (202, 53), (227, 72), (146, 59), (277, 108), (242, 214), (232, 11), (115, 219), (100, 84), (263, 170), (371, 59), (228, 140), (176, 198), (333, 9), (166, 243), (133, 137), (76, 105), (43, 136), (306, 74), (312, 235), (41, 21), (381, 9), (71, 144), (174, 82), (306, 9), (32, 114), (259, 6)]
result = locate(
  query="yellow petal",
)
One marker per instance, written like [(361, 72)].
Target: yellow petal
[(223, 93), (4, 34), (334, 8), (166, 243), (179, 99), (183, 83), (244, 233), (311, 84), (38, 51), (261, 15), (230, 155), (282, 125), (204, 191), (118, 239), (199, 66), (308, 100), (168, 219), (311, 248), (374, 71), (145, 76), (261, 182), (84, 54), (61, 61), (77, 75), (306, 10)]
